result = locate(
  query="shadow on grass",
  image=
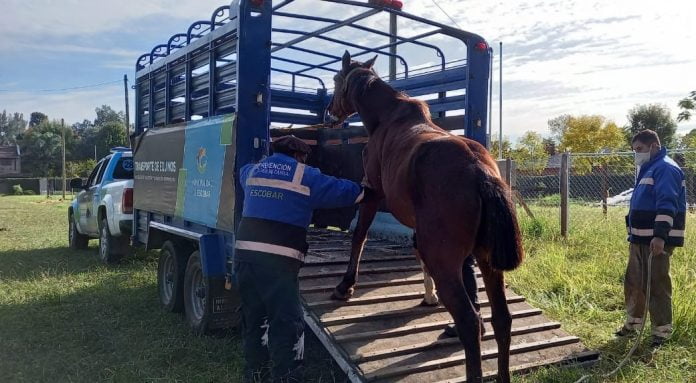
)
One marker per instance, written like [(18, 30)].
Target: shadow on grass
[(25, 265), (106, 324)]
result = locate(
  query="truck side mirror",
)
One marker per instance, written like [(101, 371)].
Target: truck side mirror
[(76, 183)]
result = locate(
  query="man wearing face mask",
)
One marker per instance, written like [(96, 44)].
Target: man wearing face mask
[(655, 224), (280, 193)]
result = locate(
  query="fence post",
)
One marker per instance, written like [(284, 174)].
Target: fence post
[(564, 194), (508, 172)]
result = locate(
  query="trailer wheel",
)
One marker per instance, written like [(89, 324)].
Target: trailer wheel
[(76, 240), (197, 297), (170, 276)]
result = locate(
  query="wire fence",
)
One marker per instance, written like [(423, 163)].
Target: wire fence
[(598, 182)]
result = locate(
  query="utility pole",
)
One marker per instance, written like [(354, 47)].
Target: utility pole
[(125, 90), (62, 130), (500, 105), (392, 47)]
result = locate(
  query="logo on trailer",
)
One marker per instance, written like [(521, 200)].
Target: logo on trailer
[(201, 160)]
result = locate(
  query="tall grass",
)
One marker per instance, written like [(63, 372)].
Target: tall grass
[(579, 281)]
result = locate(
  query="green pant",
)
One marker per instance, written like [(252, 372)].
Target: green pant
[(272, 320), (635, 284)]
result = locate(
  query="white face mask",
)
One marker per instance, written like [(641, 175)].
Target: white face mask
[(641, 158)]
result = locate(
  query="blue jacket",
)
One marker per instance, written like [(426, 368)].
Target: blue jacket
[(658, 203), (280, 195)]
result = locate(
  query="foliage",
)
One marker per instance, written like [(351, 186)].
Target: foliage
[(79, 168), (654, 117), (36, 119), (17, 189), (11, 127), (592, 134), (29, 192), (530, 152), (42, 148), (558, 126), (41, 143), (495, 148), (550, 146), (687, 106)]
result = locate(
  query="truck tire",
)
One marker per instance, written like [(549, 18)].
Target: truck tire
[(170, 276), (111, 248), (197, 297), (76, 240)]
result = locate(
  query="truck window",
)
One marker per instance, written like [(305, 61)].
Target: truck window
[(93, 175), (124, 169), (100, 175)]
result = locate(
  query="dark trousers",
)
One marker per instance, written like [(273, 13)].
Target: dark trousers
[(272, 320), (469, 277)]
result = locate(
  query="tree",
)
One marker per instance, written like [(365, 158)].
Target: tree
[(37, 118), (530, 153), (42, 148), (506, 148), (11, 127), (558, 126), (688, 106), (110, 135), (107, 115), (592, 134), (549, 146), (654, 117)]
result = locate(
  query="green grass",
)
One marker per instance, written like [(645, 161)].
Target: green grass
[(66, 317), (579, 282)]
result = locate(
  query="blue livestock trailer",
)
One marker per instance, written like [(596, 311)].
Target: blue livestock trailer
[(210, 99)]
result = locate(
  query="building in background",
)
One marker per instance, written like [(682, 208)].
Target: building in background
[(10, 161)]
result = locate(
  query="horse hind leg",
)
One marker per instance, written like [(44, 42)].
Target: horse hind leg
[(430, 297), (501, 318)]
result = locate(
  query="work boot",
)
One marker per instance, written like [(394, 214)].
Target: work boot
[(624, 331), (657, 341)]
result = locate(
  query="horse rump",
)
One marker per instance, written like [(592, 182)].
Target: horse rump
[(456, 163)]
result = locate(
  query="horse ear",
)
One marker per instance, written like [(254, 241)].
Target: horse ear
[(370, 63), (346, 60)]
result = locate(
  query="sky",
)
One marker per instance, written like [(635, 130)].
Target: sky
[(559, 57)]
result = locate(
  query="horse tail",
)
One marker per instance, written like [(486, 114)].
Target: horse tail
[(499, 230)]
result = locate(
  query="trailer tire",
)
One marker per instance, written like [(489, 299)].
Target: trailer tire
[(197, 297), (111, 248), (170, 276), (76, 240)]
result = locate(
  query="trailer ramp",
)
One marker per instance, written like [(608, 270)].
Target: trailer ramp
[(383, 335)]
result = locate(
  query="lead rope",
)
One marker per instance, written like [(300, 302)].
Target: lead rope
[(640, 331)]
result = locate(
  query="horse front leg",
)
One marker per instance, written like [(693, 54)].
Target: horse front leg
[(366, 214)]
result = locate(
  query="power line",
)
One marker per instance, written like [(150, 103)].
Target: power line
[(446, 14), (63, 89)]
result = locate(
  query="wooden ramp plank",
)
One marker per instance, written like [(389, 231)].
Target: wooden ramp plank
[(383, 335)]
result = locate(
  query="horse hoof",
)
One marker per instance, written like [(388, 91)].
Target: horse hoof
[(338, 296), (429, 304)]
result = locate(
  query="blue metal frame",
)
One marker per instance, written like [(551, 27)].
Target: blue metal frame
[(211, 69)]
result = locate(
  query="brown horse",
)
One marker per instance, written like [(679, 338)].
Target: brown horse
[(448, 189)]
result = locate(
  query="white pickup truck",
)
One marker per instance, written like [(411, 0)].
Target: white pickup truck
[(104, 207)]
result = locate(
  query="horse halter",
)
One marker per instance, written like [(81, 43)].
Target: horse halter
[(348, 76)]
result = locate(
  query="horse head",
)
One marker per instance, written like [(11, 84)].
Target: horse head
[(342, 106)]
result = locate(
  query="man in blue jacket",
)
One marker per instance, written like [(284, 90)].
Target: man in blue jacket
[(655, 224), (280, 194)]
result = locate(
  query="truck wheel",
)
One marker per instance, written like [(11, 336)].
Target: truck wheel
[(76, 240), (111, 248), (170, 276), (197, 297)]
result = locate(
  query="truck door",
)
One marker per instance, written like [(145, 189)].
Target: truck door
[(88, 212)]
